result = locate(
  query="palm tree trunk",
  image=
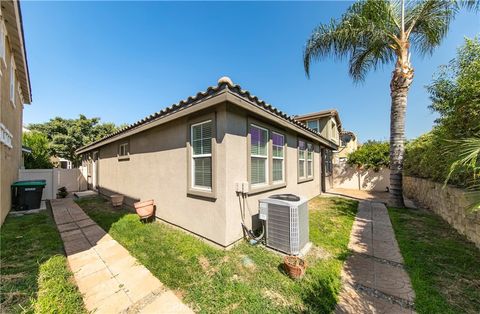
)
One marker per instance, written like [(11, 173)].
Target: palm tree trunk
[(402, 78)]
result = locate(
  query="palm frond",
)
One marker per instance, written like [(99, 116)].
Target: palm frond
[(364, 34), (468, 152)]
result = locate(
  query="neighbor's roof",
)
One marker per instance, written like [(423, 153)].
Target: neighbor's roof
[(12, 16), (230, 92), (321, 114), (348, 133)]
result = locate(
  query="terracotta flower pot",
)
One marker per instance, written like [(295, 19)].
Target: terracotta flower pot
[(116, 199), (295, 266), (145, 209)]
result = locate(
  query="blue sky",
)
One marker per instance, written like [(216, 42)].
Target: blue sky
[(121, 61)]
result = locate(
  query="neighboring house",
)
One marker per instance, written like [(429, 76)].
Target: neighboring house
[(207, 160), (14, 93), (59, 162), (328, 124), (348, 144)]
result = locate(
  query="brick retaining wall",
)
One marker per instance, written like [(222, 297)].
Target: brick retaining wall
[(448, 202)]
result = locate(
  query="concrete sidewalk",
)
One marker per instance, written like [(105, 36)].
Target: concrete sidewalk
[(109, 278), (374, 278)]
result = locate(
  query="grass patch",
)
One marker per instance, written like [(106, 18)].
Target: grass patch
[(30, 245), (443, 266), (217, 281)]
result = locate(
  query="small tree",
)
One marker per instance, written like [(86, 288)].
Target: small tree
[(39, 158), (68, 135), (371, 155)]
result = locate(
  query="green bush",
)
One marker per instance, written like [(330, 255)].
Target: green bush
[(371, 155), (39, 158), (455, 95), (57, 292)]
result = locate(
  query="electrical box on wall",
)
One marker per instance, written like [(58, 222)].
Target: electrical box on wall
[(242, 187)]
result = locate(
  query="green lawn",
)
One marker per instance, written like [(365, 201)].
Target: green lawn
[(34, 273), (212, 280), (443, 266)]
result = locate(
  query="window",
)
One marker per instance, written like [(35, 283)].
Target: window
[(328, 162), (278, 152), (301, 158), (309, 160), (123, 150), (12, 81), (258, 155), (201, 145), (305, 160), (313, 124)]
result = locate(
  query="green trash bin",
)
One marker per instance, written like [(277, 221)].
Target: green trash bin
[(27, 194)]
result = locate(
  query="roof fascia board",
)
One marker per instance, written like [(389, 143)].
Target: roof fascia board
[(241, 102), (203, 104)]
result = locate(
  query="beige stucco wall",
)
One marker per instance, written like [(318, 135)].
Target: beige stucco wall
[(157, 169), (236, 171), (11, 117), (449, 202), (348, 177)]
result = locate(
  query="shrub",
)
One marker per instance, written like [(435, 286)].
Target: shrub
[(455, 95), (39, 158), (371, 155)]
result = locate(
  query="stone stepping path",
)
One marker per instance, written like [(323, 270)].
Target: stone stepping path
[(109, 278), (374, 279)]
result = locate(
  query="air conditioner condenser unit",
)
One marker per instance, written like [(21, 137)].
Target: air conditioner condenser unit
[(286, 219)]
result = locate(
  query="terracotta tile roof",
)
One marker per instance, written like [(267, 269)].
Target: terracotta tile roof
[(223, 86)]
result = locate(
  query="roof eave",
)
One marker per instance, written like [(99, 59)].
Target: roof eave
[(12, 11)]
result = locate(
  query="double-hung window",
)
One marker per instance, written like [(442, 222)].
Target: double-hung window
[(302, 147), (305, 160), (309, 160), (123, 150), (278, 157), (258, 155), (201, 145)]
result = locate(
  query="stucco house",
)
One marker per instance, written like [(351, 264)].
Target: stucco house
[(348, 144), (329, 125), (207, 160), (14, 93)]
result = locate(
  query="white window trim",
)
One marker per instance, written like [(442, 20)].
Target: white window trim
[(304, 159), (198, 187), (266, 183), (127, 150), (309, 160), (279, 158)]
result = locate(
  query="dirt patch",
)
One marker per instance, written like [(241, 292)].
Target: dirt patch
[(317, 253), (179, 293), (203, 261), (205, 264), (277, 298)]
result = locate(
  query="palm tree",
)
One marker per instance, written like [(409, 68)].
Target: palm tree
[(373, 33)]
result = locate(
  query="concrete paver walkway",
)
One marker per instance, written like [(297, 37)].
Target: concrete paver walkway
[(109, 278), (374, 280)]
